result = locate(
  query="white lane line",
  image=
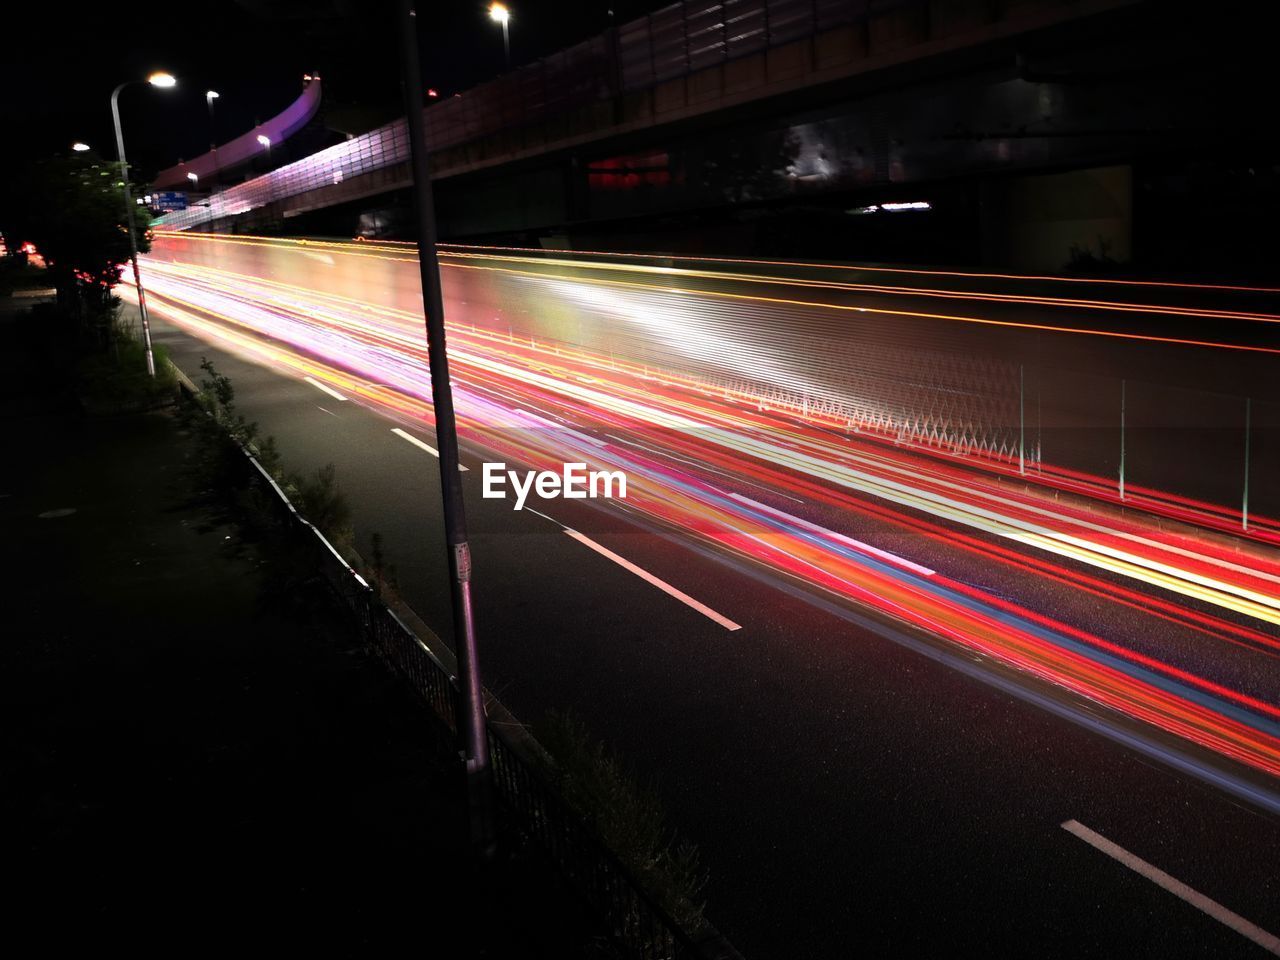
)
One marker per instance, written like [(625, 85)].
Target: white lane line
[(325, 387), (422, 446), (322, 409), (416, 442), (545, 517), (650, 578), (838, 537), (1268, 941)]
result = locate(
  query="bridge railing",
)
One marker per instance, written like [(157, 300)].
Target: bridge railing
[(582, 89)]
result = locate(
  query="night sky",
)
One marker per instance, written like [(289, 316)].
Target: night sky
[(61, 66)]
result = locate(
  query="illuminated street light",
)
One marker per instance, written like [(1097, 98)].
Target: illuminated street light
[(79, 147), (194, 178), (163, 80), (265, 142), (500, 14), (209, 97)]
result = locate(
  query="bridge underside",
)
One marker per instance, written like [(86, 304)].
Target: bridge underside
[(1095, 143)]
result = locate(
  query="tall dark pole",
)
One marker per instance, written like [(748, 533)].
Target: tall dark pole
[(209, 97), (1122, 391), (1244, 502), (471, 723), (1022, 419), (133, 239)]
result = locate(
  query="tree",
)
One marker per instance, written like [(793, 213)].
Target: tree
[(72, 209)]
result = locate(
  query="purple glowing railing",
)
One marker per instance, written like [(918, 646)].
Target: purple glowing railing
[(244, 148), (681, 39), (371, 151)]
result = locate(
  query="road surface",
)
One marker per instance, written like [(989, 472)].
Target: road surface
[(905, 702)]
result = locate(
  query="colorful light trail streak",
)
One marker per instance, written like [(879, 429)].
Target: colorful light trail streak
[(870, 358), (686, 448), (521, 259)]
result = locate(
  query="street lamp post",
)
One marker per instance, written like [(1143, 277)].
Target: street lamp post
[(472, 725), (162, 80), (209, 97), (265, 141), (502, 15)]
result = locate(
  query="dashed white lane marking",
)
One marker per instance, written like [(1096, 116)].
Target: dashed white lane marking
[(1268, 941), (648, 577), (325, 387), (323, 410), (422, 446), (544, 516)]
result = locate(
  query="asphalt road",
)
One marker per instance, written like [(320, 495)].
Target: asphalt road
[(853, 788)]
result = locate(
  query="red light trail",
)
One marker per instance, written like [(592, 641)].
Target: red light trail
[(703, 461)]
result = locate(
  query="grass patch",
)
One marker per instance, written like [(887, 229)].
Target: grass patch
[(119, 379), (628, 814), (114, 378), (223, 473)]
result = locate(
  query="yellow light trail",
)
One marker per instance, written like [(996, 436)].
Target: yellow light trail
[(368, 253), (994, 519)]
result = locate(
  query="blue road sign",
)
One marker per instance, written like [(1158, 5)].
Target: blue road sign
[(171, 200)]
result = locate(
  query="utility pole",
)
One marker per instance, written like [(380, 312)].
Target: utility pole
[(1022, 419), (1122, 391), (133, 230), (1244, 503), (471, 721), (209, 97)]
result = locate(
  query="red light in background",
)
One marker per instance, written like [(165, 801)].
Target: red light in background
[(629, 172), (33, 255)]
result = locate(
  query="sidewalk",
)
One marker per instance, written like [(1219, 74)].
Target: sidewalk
[(195, 757)]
